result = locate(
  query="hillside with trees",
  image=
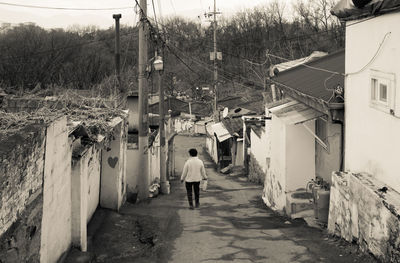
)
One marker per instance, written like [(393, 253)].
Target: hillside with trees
[(33, 58)]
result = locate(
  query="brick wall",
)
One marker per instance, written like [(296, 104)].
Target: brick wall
[(21, 177)]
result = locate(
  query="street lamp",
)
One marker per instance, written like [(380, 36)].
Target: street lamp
[(159, 66)]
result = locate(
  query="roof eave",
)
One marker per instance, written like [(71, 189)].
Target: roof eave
[(313, 102)]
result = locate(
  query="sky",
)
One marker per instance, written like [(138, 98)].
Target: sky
[(63, 19)]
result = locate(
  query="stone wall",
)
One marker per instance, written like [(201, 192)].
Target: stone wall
[(256, 173), (366, 211), (274, 195), (21, 199)]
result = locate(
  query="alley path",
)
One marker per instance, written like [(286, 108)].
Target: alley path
[(232, 225)]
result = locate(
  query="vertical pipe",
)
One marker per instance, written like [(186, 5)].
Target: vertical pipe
[(163, 175), (117, 17)]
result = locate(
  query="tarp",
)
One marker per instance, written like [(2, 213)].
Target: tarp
[(294, 112), (346, 10)]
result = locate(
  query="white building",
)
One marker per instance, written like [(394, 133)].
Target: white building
[(365, 201)]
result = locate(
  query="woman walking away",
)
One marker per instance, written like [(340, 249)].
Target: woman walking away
[(193, 172)]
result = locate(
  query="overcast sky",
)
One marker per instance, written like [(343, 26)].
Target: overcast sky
[(62, 18)]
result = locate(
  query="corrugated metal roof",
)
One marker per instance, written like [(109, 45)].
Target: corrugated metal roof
[(221, 132), (315, 83), (293, 63), (346, 10), (294, 112)]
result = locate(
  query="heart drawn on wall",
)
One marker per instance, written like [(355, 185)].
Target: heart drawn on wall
[(112, 161)]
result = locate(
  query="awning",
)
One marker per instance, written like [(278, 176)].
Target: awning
[(294, 112), (221, 132)]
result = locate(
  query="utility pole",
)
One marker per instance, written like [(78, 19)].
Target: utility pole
[(143, 180), (117, 17), (214, 56), (215, 63)]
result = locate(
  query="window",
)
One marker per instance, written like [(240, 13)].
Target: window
[(382, 91)]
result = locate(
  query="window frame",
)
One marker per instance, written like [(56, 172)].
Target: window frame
[(375, 95)]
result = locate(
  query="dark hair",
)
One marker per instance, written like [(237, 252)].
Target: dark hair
[(193, 152)]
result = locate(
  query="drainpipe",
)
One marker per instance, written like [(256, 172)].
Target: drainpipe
[(342, 153)]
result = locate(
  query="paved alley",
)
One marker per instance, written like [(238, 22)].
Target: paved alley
[(232, 225)]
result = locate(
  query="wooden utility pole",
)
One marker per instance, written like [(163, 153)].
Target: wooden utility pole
[(215, 62), (215, 57), (117, 17), (143, 180)]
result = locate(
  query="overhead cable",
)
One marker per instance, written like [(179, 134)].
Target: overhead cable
[(66, 8)]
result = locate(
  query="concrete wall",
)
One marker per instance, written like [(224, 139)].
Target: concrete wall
[(85, 193), (200, 127), (113, 169), (300, 156), (93, 179), (56, 220), (328, 161), (359, 212), (211, 145), (275, 182), (292, 161), (132, 171), (372, 136), (21, 196), (133, 118), (239, 153), (260, 157)]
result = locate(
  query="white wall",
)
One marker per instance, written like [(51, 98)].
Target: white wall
[(372, 140), (260, 149), (275, 181), (93, 180), (292, 160), (239, 153), (56, 220), (300, 156), (327, 162), (211, 145), (132, 171), (113, 172)]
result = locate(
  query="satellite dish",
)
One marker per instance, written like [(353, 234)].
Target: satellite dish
[(225, 112)]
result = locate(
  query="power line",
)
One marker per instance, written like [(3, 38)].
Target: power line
[(66, 8), (154, 11)]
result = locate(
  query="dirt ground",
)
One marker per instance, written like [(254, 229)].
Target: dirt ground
[(232, 225)]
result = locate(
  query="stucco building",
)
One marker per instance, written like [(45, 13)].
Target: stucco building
[(365, 204)]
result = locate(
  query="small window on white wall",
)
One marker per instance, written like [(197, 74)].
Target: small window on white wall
[(382, 91)]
